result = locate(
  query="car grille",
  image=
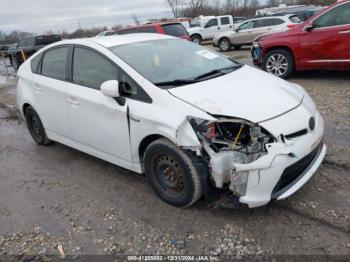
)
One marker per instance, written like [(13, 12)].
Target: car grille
[(292, 173)]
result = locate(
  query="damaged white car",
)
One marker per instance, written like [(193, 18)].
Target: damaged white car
[(195, 122)]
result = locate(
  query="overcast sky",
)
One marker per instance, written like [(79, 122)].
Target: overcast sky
[(41, 15)]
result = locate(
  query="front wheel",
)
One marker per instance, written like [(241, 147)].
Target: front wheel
[(224, 45), (172, 174), (279, 62), (197, 39)]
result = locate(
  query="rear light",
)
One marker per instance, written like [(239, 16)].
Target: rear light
[(292, 26), (211, 131)]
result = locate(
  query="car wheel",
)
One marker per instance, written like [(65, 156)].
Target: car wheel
[(237, 47), (35, 127), (197, 39), (224, 45), (172, 174), (279, 62)]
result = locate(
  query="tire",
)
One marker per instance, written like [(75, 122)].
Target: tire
[(172, 174), (237, 47), (197, 39), (35, 127), (224, 45), (279, 62)]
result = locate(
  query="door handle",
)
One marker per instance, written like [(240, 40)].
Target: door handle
[(344, 32), (73, 101)]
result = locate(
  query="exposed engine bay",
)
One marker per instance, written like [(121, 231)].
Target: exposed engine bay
[(227, 142)]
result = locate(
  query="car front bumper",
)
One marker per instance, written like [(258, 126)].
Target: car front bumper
[(285, 169)]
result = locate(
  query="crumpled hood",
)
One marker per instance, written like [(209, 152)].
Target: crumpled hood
[(246, 93)]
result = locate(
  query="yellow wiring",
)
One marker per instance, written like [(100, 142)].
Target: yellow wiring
[(233, 146)]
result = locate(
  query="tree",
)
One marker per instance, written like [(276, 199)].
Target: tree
[(273, 2), (175, 7), (136, 19)]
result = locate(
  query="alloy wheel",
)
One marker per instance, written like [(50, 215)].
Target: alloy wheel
[(277, 64)]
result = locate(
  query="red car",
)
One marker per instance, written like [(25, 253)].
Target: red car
[(166, 28), (321, 43)]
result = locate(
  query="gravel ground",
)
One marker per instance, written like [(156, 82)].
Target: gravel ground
[(56, 200)]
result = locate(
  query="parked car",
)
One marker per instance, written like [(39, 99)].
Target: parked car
[(321, 43), (176, 29), (246, 33), (214, 26), (106, 33), (30, 45), (196, 122)]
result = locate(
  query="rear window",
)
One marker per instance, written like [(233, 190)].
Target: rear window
[(175, 30), (46, 40), (295, 19), (147, 30)]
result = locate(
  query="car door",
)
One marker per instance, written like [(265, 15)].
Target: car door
[(326, 45), (226, 23), (99, 123), (241, 36), (49, 90), (211, 28)]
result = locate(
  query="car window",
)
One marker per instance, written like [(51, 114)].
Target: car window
[(34, 64), (212, 22), (147, 29), (175, 30), (128, 31), (54, 63), (91, 69), (274, 21), (260, 23), (225, 20), (130, 89), (247, 25), (339, 15)]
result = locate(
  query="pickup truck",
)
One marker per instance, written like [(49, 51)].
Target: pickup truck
[(213, 26), (28, 46)]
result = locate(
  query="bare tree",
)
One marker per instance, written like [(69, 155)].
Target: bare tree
[(273, 2), (175, 6), (136, 19)]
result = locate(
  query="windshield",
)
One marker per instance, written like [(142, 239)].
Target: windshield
[(171, 60)]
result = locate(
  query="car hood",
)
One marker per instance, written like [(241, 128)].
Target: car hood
[(246, 93)]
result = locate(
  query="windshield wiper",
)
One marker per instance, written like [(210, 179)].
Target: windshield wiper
[(218, 72), (176, 82)]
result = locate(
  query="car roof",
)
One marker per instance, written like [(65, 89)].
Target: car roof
[(284, 16), (149, 25), (114, 40)]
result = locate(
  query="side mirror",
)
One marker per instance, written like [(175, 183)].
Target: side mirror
[(237, 30), (309, 27), (110, 88)]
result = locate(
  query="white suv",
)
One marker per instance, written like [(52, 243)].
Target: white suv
[(246, 33), (196, 122)]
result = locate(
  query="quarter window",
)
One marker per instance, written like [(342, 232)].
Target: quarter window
[(34, 64), (54, 63), (339, 15), (91, 69)]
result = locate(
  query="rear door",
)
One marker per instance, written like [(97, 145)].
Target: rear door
[(327, 45), (49, 87), (226, 23)]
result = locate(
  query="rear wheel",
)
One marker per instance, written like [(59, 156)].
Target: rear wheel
[(279, 62), (35, 127), (172, 174), (197, 39), (224, 45)]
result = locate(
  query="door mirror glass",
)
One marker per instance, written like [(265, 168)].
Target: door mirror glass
[(309, 28), (110, 88)]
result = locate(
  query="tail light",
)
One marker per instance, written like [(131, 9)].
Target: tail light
[(292, 26)]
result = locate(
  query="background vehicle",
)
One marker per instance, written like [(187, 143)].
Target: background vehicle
[(211, 28), (246, 33), (304, 12), (30, 45), (321, 43), (166, 107), (4, 50), (167, 28)]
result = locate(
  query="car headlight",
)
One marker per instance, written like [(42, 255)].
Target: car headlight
[(256, 44)]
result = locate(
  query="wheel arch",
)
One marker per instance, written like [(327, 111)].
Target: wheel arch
[(285, 47), (146, 141)]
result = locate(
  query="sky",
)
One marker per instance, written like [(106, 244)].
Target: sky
[(39, 16)]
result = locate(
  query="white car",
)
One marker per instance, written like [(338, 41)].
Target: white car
[(196, 122)]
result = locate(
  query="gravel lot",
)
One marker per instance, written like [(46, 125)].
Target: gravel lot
[(55, 198)]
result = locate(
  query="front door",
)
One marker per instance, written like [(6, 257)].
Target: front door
[(99, 123), (327, 44), (211, 28)]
